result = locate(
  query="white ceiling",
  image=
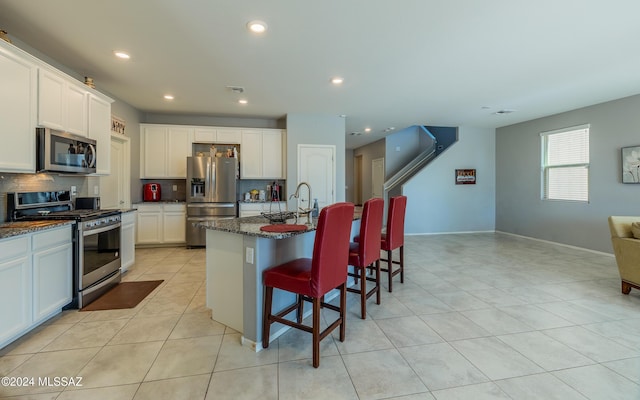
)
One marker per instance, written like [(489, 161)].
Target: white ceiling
[(405, 62)]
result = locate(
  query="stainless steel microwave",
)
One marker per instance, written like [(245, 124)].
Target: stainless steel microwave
[(59, 151)]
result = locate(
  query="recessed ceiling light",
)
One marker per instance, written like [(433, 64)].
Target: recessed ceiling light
[(343, 115), (122, 55), (243, 101), (367, 129), (168, 97), (257, 26), (337, 80)]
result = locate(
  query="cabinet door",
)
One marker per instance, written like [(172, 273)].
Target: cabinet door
[(178, 149), (149, 227), (100, 130), (251, 154), (174, 229), (76, 109), (52, 280), (51, 100), (15, 288), (17, 113), (153, 148), (229, 136), (272, 154), (204, 135), (128, 240)]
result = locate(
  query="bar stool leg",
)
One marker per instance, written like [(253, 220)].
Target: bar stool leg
[(377, 281), (316, 332), (363, 292), (390, 269), (266, 317), (300, 310), (402, 264), (343, 310)]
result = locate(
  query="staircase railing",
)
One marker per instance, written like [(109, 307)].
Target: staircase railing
[(393, 185)]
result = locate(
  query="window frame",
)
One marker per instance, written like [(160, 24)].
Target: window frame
[(544, 168)]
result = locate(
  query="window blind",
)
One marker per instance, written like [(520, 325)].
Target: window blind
[(566, 164)]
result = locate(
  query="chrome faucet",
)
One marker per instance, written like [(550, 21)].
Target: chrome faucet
[(300, 209)]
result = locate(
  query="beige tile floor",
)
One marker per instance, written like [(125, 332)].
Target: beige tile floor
[(480, 316)]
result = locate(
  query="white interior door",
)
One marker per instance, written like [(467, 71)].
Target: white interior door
[(316, 166), (377, 177), (114, 188)]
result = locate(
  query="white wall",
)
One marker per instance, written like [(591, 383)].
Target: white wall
[(437, 205), (519, 208), (315, 129)]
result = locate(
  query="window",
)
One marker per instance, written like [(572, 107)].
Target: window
[(565, 164)]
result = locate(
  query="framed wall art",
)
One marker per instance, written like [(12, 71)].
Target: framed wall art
[(631, 164), (465, 176)]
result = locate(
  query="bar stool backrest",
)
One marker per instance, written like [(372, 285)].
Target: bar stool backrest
[(395, 222)]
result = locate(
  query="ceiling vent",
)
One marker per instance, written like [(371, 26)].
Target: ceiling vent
[(356, 133), (504, 111), (236, 89)]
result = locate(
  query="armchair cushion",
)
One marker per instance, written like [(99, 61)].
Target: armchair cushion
[(627, 250)]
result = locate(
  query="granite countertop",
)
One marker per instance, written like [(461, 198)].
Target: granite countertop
[(11, 229), (250, 226)]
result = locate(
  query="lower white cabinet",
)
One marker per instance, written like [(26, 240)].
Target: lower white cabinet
[(161, 223), (36, 277), (127, 240), (253, 209)]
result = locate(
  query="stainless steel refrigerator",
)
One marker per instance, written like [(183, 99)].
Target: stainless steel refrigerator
[(211, 193)]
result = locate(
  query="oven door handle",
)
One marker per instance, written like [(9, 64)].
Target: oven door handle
[(100, 230)]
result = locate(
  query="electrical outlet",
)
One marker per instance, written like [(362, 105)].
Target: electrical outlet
[(175, 188), (249, 255), (96, 189), (74, 191)]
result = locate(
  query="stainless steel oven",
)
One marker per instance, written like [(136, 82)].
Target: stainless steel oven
[(99, 256), (96, 238)]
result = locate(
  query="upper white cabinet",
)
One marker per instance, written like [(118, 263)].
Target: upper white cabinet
[(62, 104), (208, 134), (261, 155), (18, 110), (164, 150), (100, 130)]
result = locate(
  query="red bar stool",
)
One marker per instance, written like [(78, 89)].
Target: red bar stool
[(312, 278), (366, 251), (394, 238)]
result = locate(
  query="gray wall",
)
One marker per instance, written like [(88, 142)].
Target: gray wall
[(436, 204), (519, 208), (349, 192), (315, 129), (401, 148), (369, 153)]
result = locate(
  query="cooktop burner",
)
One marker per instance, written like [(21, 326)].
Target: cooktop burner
[(70, 214)]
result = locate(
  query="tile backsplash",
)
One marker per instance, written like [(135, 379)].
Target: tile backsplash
[(42, 182)]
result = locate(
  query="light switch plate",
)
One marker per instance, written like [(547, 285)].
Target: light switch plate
[(249, 255), (74, 191)]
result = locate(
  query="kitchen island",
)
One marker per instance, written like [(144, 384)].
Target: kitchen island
[(237, 253)]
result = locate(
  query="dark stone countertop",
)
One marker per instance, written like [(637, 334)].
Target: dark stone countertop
[(11, 229)]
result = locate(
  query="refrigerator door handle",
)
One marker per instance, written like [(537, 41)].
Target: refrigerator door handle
[(213, 180)]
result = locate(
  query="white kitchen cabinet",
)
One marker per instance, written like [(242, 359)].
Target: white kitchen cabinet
[(15, 288), (99, 129), (208, 134), (164, 150), (205, 134), (52, 272), (62, 103), (174, 226), (127, 240), (253, 209), (261, 155), (18, 111), (36, 277), (161, 223), (229, 136)]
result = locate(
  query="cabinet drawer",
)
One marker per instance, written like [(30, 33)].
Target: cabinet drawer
[(175, 208), (51, 238), (250, 206), (147, 207), (14, 247)]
